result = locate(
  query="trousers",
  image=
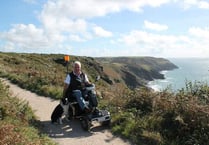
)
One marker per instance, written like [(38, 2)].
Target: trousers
[(81, 101)]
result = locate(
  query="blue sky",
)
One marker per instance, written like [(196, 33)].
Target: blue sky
[(159, 28)]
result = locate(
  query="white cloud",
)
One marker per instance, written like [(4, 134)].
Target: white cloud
[(200, 37), (76, 38), (99, 31), (67, 21), (138, 37), (143, 43), (62, 23), (8, 46), (70, 15), (200, 32), (27, 36), (155, 26), (94, 8), (202, 4)]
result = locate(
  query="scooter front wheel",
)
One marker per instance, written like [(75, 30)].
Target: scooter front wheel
[(106, 123)]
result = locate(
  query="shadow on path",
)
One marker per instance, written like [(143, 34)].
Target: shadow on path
[(69, 129)]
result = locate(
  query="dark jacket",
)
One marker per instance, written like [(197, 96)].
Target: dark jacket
[(76, 83)]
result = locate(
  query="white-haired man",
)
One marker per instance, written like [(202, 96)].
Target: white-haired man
[(75, 83)]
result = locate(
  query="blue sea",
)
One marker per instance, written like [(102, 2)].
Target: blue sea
[(190, 70)]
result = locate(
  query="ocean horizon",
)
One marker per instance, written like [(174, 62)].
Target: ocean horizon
[(189, 70)]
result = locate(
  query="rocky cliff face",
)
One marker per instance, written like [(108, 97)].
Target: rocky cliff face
[(135, 71)]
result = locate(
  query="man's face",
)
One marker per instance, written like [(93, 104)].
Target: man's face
[(77, 69)]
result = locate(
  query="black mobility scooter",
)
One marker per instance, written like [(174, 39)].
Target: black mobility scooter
[(86, 119)]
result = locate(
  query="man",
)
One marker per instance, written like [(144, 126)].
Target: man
[(75, 83)]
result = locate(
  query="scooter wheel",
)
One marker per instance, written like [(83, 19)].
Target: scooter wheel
[(85, 124)]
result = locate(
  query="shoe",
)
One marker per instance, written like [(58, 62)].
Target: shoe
[(87, 110), (96, 111)]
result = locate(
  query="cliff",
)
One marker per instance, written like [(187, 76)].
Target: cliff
[(51, 68), (135, 71)]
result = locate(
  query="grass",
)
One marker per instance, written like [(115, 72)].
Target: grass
[(140, 115), (164, 118), (17, 122)]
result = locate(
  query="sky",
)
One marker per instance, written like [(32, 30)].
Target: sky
[(98, 28)]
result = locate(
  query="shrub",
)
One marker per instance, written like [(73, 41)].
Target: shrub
[(186, 120), (17, 122)]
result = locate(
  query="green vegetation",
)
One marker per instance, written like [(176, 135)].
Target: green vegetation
[(151, 118), (17, 122), (139, 114), (42, 74)]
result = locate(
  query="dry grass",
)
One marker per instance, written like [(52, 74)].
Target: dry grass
[(17, 122)]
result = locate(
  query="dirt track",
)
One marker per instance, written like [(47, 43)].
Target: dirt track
[(69, 133)]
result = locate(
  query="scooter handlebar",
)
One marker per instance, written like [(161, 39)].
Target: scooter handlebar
[(90, 87)]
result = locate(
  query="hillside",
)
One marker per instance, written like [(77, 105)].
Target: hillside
[(135, 71), (45, 69), (43, 73), (143, 116)]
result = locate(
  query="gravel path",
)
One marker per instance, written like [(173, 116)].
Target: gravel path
[(70, 132)]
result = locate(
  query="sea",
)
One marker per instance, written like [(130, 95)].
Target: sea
[(189, 70)]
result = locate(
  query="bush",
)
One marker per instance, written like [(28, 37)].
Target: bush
[(186, 120), (17, 122)]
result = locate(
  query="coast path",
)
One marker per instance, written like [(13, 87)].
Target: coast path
[(69, 133)]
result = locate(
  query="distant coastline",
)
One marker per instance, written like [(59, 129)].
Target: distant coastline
[(135, 71), (153, 85), (189, 70)]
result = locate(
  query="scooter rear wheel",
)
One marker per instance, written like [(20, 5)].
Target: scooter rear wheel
[(85, 124)]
